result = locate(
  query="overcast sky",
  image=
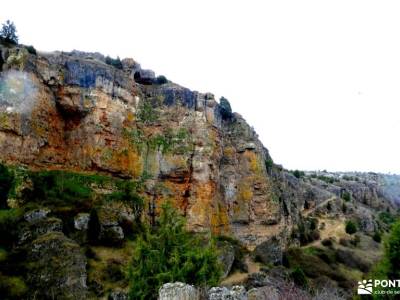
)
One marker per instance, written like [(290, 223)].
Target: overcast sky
[(318, 80)]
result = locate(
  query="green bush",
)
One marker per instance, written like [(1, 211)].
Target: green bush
[(377, 237), (225, 106), (31, 50), (147, 114), (393, 252), (115, 62), (298, 174), (387, 218), (299, 277), (127, 193), (61, 187), (168, 253), (161, 79), (307, 231), (269, 164), (8, 220), (351, 227), (6, 181), (3, 255), (327, 179), (389, 266), (327, 242), (12, 287), (346, 196)]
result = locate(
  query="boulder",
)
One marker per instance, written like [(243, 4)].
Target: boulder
[(111, 234), (255, 280), (118, 295), (111, 217), (263, 293), (270, 251), (237, 292), (30, 231), (178, 291), (56, 268), (226, 257), (81, 221), (36, 215)]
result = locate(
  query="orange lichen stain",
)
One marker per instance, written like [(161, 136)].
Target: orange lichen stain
[(130, 116), (200, 210), (245, 191), (220, 221), (129, 161), (254, 163), (229, 152)]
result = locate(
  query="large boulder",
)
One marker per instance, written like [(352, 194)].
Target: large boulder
[(111, 218), (56, 268), (270, 251), (36, 215), (263, 293), (81, 221), (226, 257), (178, 291), (36, 224)]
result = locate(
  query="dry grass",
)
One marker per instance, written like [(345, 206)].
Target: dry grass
[(104, 263)]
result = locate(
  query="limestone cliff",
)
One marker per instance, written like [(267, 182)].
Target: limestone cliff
[(73, 111)]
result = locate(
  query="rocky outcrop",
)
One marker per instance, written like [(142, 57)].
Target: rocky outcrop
[(270, 251), (57, 268), (226, 257), (263, 293), (178, 291)]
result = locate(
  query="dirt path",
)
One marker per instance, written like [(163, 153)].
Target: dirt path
[(307, 212), (240, 277)]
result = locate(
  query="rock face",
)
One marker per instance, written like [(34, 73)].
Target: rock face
[(178, 291), (77, 113), (73, 111)]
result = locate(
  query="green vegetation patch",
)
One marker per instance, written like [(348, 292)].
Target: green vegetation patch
[(168, 141), (351, 227), (168, 253)]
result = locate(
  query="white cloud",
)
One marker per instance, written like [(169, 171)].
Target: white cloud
[(317, 79)]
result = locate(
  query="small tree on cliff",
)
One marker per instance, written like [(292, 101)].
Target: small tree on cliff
[(168, 253), (8, 32), (226, 110)]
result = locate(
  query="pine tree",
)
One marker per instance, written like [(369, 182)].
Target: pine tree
[(169, 253), (9, 32)]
